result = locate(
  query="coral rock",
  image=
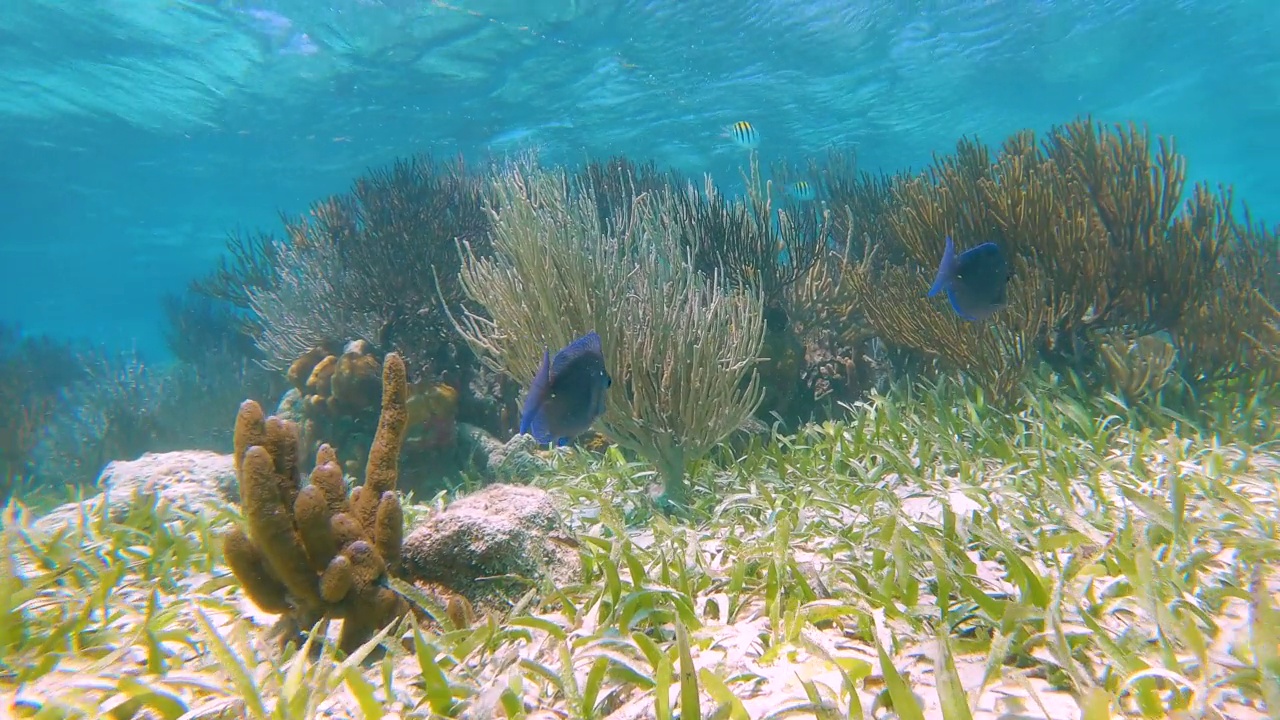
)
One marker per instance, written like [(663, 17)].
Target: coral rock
[(433, 413), (194, 481), (292, 406), (500, 530), (356, 381), (512, 461), (344, 384)]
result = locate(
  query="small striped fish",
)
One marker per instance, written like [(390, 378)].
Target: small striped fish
[(744, 134), (803, 191)]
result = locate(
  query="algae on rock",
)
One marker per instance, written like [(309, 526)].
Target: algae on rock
[(308, 551)]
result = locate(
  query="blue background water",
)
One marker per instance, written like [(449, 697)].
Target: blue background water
[(135, 133)]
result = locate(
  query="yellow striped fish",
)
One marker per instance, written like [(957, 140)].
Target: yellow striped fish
[(744, 134), (803, 191)]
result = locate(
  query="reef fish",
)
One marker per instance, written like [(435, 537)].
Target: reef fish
[(744, 134), (567, 393), (975, 280), (803, 191)]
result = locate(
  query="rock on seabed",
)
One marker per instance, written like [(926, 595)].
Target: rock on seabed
[(195, 481)]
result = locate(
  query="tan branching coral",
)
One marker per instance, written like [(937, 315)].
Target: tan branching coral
[(996, 357), (680, 346), (1138, 366), (1098, 237), (822, 301), (306, 551), (1235, 330)]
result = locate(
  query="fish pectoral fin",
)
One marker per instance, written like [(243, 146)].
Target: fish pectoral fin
[(955, 305), (540, 426)]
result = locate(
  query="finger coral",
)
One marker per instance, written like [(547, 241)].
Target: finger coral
[(307, 551)]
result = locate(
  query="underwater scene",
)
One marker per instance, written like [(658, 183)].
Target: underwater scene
[(616, 360)]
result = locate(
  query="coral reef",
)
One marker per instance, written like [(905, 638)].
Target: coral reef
[(309, 551), (335, 398), (34, 371), (379, 264), (335, 402), (1091, 221), (841, 361), (343, 383), (367, 272), (433, 416), (766, 241), (680, 346)]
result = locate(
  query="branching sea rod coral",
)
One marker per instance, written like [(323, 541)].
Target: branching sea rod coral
[(308, 551), (615, 183), (372, 264), (681, 347), (1097, 234)]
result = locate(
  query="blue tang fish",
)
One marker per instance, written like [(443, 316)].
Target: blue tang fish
[(567, 394), (975, 280)]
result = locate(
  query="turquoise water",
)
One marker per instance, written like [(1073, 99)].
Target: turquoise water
[(134, 134)]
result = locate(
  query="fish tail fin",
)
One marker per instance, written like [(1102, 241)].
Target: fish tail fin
[(533, 399), (945, 269)]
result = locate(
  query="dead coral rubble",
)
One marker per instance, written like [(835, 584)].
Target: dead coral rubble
[(308, 551)]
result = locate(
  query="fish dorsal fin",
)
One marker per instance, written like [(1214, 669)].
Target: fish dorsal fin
[(987, 252), (945, 268), (588, 344), (537, 392)]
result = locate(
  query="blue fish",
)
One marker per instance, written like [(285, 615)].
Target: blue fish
[(567, 394), (975, 280)]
